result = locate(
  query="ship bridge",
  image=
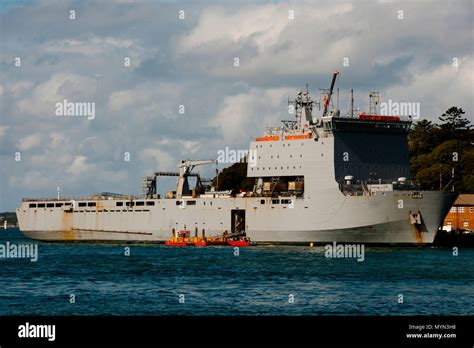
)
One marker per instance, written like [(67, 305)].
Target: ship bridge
[(321, 152)]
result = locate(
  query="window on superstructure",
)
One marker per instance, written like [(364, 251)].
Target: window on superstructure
[(140, 203), (82, 204), (118, 204), (129, 204), (32, 205), (58, 205), (50, 205), (91, 204), (191, 203), (275, 201), (150, 203), (262, 201), (41, 205)]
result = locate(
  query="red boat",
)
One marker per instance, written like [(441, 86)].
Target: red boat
[(175, 243), (200, 243), (216, 242), (240, 242)]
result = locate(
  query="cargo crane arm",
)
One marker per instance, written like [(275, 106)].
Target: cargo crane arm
[(185, 169), (328, 100)]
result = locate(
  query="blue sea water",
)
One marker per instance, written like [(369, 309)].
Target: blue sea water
[(215, 282)]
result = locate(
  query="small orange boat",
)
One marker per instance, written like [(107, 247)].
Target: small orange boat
[(175, 243), (209, 242), (240, 242)]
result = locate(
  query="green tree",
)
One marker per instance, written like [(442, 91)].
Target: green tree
[(422, 137), (234, 177), (436, 149), (454, 124)]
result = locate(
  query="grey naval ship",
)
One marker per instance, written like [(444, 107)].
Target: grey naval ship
[(321, 177)]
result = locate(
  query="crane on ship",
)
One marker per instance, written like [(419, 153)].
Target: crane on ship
[(327, 100), (149, 189), (185, 168)]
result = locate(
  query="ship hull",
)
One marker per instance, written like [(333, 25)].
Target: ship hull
[(377, 219)]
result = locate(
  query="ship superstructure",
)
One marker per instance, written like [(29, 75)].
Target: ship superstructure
[(317, 179)]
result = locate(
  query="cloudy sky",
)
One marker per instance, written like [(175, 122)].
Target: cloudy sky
[(413, 51)]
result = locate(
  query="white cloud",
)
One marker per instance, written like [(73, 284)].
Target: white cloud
[(3, 130), (160, 99), (91, 47), (60, 86), (425, 89), (79, 166), (158, 158), (21, 87), (245, 113), (261, 25), (28, 142)]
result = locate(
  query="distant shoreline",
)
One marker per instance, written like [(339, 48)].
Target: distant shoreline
[(10, 217)]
